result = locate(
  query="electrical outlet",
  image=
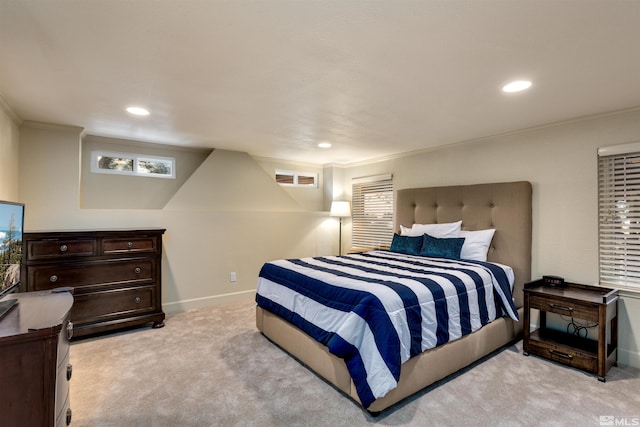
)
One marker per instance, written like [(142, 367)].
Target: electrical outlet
[(232, 276)]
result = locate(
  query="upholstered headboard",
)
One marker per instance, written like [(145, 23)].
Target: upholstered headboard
[(503, 206)]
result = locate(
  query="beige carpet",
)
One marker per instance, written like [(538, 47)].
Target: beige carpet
[(211, 367)]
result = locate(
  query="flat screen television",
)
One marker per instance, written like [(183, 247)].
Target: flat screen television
[(11, 226)]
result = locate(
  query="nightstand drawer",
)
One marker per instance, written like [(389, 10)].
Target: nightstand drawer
[(565, 307), (563, 354)]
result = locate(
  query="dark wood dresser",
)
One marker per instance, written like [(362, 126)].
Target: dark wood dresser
[(116, 275), (34, 360)]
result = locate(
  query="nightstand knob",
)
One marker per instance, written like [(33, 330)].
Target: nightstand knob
[(137, 270), (64, 248), (137, 300), (129, 245), (53, 278)]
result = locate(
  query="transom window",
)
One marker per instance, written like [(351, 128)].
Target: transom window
[(133, 164), (296, 179)]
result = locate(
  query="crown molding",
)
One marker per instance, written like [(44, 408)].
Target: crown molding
[(52, 126), (99, 139), (487, 138), (10, 111), (285, 161)]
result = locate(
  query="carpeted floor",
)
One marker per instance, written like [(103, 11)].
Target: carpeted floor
[(211, 367)]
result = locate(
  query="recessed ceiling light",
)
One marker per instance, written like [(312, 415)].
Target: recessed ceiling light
[(324, 145), (516, 86), (138, 111)]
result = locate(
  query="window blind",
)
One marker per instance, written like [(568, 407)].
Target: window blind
[(619, 218), (372, 216)]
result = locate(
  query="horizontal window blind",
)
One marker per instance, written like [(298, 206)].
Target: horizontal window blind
[(619, 219), (372, 216)]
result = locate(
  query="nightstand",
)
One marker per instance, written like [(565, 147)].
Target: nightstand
[(587, 309), (360, 250)]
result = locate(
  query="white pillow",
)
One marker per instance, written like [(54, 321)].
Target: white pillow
[(476, 244), (404, 231), (449, 229)]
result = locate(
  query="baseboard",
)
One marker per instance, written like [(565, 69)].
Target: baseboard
[(628, 357), (190, 304)]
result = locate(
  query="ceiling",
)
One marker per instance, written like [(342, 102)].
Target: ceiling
[(274, 78)]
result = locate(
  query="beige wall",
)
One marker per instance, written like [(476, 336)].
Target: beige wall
[(50, 175), (228, 216), (113, 191), (9, 157), (231, 216), (561, 163), (311, 199)]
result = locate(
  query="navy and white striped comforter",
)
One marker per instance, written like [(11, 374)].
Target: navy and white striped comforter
[(377, 309)]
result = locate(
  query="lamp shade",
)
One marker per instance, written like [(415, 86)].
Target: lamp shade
[(341, 209)]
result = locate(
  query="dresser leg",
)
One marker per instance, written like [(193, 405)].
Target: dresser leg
[(157, 325)]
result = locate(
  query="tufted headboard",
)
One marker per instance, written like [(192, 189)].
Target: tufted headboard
[(503, 206)]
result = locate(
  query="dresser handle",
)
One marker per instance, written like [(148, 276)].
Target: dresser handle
[(69, 330), (137, 300), (64, 248), (69, 416), (137, 270), (69, 371), (53, 278), (129, 245), (560, 354), (561, 307)]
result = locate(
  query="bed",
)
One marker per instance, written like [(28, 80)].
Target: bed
[(505, 207)]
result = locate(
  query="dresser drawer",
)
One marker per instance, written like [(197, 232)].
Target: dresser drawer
[(92, 274), (63, 343), (112, 304), (564, 354), (64, 416), (63, 371), (62, 387), (147, 244), (60, 248), (573, 308)]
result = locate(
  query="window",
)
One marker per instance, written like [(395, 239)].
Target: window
[(619, 215), (296, 179), (133, 164), (372, 217)]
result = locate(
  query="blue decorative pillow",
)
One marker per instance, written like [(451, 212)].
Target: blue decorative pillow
[(441, 247), (410, 245)]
